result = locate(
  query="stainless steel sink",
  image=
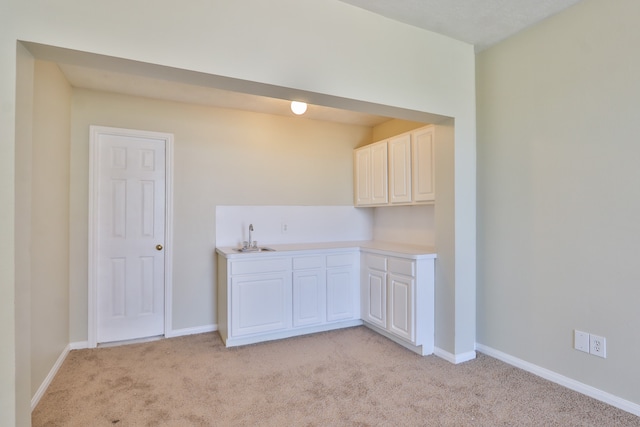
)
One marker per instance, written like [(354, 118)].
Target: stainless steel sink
[(256, 249), (252, 245)]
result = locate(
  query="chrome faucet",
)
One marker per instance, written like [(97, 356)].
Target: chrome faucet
[(250, 230)]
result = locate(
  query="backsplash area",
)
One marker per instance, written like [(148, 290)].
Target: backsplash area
[(414, 225), (292, 224)]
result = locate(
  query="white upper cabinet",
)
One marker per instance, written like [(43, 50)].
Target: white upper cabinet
[(362, 176), (400, 169), (397, 171), (370, 175), (423, 148), (379, 173)]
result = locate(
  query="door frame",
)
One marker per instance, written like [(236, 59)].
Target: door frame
[(95, 131)]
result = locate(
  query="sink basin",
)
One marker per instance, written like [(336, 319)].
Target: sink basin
[(258, 249)]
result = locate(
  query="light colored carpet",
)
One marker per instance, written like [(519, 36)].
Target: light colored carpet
[(349, 377)]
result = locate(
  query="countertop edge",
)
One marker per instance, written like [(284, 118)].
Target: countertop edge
[(369, 246)]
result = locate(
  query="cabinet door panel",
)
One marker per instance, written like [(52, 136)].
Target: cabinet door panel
[(401, 312), (260, 303), (309, 298), (362, 172), (375, 298), (400, 169), (379, 174), (340, 294)]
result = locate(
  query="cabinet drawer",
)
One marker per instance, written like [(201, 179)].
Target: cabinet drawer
[(307, 262), (341, 260), (260, 266), (376, 262), (405, 267)]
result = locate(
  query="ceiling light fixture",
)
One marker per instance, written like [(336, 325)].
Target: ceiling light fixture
[(298, 107)]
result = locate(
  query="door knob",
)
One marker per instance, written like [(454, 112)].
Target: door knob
[(159, 247)]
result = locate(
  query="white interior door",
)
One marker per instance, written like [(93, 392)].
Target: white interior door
[(129, 245)]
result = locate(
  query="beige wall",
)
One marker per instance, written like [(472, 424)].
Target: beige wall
[(394, 127), (558, 194), (221, 157), (447, 293), (16, 346), (49, 220), (413, 225)]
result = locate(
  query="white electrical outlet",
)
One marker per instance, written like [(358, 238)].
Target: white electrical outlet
[(581, 341), (284, 228), (598, 346)]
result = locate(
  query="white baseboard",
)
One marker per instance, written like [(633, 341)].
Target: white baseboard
[(79, 345), (421, 350), (567, 382), (191, 331), (454, 358), (47, 381)]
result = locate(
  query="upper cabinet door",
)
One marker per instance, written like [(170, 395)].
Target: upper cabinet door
[(400, 169), (424, 188), (370, 175), (362, 175), (397, 171), (379, 177)]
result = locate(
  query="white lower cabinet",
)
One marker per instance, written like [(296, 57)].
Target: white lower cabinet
[(400, 306), (269, 298), (264, 297), (343, 298), (397, 296), (325, 289), (260, 303), (374, 297), (309, 291), (258, 296)]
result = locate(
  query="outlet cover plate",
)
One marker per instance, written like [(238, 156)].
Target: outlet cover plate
[(598, 346)]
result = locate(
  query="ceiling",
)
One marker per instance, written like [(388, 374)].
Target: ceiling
[(481, 23), (171, 90)]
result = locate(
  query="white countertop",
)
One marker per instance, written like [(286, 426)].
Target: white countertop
[(372, 246)]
